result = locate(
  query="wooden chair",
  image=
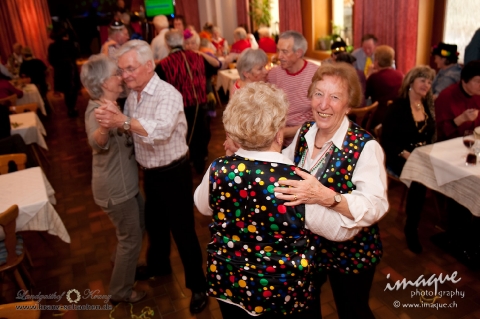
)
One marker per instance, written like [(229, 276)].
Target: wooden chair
[(19, 159), (30, 107), (9, 100), (377, 130), (363, 115), (214, 85), (10, 310), (12, 251)]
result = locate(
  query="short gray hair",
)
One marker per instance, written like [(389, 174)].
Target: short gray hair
[(95, 72), (160, 22), (264, 32), (249, 59), (174, 38), (144, 52), (255, 114), (240, 33), (299, 41)]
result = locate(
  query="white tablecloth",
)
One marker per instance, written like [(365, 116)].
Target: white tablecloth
[(32, 95), (31, 191), (226, 78), (464, 189), (448, 161), (30, 128)]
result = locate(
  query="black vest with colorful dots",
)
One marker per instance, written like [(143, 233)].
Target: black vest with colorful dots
[(261, 254), (365, 249)]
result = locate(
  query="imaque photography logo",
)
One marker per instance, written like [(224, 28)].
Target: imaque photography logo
[(427, 290)]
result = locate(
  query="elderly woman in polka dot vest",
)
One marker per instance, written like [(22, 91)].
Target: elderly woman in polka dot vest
[(261, 254), (347, 183)]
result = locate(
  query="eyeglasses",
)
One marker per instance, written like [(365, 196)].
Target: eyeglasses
[(128, 70)]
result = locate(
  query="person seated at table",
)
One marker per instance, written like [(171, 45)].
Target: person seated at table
[(11, 144), (251, 67), (220, 44), (4, 73), (36, 70), (7, 89), (408, 123), (445, 57), (114, 176), (266, 43), (207, 31), (15, 59), (241, 43), (457, 109), (383, 84), (337, 48)]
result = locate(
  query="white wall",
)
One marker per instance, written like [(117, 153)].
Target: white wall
[(222, 13), (461, 22)]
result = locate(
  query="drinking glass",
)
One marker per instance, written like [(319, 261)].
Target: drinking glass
[(469, 141)]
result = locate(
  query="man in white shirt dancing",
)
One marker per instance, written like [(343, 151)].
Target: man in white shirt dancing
[(154, 115)]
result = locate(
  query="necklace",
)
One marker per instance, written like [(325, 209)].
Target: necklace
[(424, 122), (418, 106), (320, 161), (314, 144)]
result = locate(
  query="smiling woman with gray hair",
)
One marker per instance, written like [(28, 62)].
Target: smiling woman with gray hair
[(114, 176)]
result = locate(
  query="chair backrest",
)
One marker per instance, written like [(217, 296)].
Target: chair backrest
[(9, 100), (8, 221), (363, 115), (10, 310), (19, 159), (30, 107)]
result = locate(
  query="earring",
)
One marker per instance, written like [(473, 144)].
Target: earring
[(410, 88)]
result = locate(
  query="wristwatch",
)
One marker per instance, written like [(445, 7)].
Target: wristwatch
[(336, 200), (126, 124)]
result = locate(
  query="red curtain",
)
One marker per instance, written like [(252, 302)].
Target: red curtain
[(189, 9), (290, 14), (243, 16), (25, 22), (393, 22)]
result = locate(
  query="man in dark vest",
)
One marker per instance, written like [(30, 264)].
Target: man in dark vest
[(187, 71)]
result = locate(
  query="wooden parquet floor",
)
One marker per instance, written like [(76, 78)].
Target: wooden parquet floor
[(85, 263)]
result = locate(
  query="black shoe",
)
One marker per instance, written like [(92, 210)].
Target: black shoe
[(198, 302), (140, 295), (413, 243)]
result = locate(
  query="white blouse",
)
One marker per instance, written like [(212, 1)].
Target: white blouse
[(367, 203)]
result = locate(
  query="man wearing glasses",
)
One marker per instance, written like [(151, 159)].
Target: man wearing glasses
[(154, 114)]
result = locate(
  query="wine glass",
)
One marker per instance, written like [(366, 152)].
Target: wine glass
[(469, 141)]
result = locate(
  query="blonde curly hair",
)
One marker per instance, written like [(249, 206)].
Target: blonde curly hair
[(255, 114)]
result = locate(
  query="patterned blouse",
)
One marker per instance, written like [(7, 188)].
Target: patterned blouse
[(261, 253), (335, 171)]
